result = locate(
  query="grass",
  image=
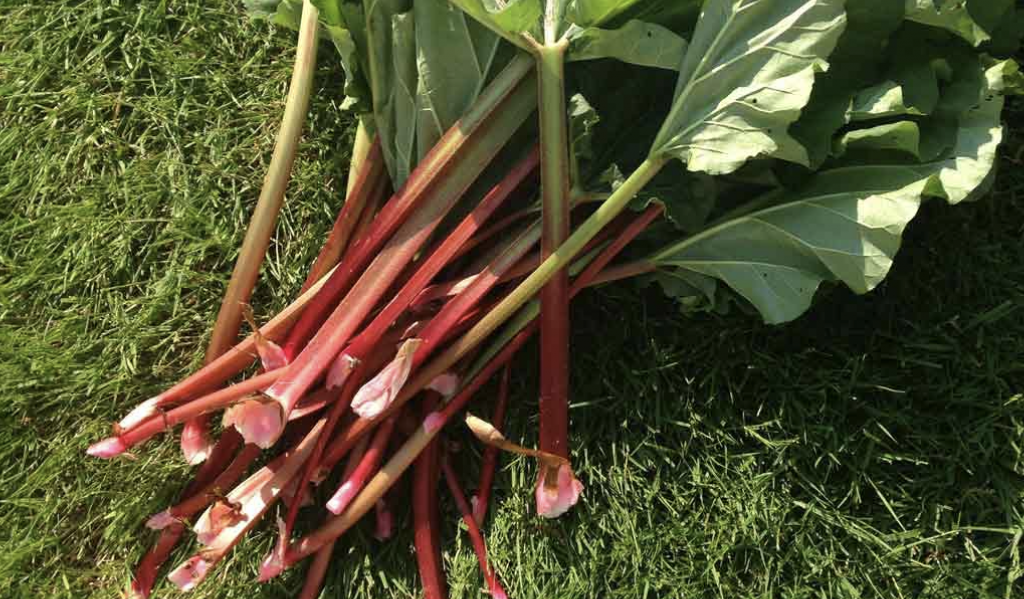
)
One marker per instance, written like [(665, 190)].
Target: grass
[(873, 449)]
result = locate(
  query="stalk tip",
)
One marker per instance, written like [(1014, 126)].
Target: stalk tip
[(433, 422), (140, 413), (340, 500), (107, 448)]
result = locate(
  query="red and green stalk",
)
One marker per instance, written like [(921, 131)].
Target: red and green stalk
[(414, 446), (490, 460), (426, 521), (492, 123), (439, 180), (367, 163), (555, 184), (475, 535)]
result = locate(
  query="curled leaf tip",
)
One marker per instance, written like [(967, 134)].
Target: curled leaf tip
[(340, 370), (273, 564), (160, 521), (196, 443), (222, 514), (259, 422), (189, 574), (446, 384), (377, 394), (107, 448), (555, 497)]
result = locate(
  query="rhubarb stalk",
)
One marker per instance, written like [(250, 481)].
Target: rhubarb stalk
[(555, 184), (475, 153), (216, 373), (490, 460), (264, 217), (475, 535), (425, 514), (367, 166), (392, 471), (447, 170)]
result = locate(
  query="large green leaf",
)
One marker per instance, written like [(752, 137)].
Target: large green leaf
[(427, 63), (594, 13), (978, 132), (345, 23), (844, 225), (747, 75), (391, 58), (972, 20), (508, 18), (636, 42), (579, 22), (455, 55), (856, 63)]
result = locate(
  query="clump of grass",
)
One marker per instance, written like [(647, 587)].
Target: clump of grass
[(871, 449)]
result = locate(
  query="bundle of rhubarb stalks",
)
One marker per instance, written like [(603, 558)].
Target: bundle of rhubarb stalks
[(512, 154)]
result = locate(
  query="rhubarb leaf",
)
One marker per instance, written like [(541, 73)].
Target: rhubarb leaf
[(455, 57), (636, 42), (592, 13), (427, 63), (747, 74), (845, 224), (507, 18), (279, 12), (855, 64), (972, 20), (345, 23), (580, 22)]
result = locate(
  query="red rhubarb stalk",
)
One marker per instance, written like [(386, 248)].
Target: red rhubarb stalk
[(146, 571), (554, 297), (425, 514), (407, 454), (366, 468), (490, 460), (447, 169), (345, 441), (318, 569), (434, 333), (216, 373), (248, 505), (317, 572), (367, 164), (442, 256), (488, 138), (475, 535), (202, 497), (118, 444)]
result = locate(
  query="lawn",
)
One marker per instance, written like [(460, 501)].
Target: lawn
[(872, 449)]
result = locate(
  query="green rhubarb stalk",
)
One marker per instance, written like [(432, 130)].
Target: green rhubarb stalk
[(264, 217), (196, 443)]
